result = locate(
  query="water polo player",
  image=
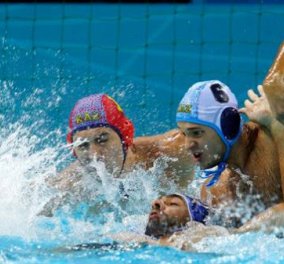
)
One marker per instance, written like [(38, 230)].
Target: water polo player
[(238, 159), (99, 129), (171, 213)]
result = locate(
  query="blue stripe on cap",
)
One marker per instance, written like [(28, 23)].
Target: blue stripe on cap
[(197, 210)]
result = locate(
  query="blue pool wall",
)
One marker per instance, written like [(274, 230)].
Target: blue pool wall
[(144, 55)]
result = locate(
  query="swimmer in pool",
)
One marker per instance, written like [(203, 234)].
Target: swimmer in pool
[(171, 213), (268, 104), (238, 159), (180, 221), (175, 220), (99, 129)]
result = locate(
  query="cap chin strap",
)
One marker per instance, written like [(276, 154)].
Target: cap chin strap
[(124, 149), (215, 174)]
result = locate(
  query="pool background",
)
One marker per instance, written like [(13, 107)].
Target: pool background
[(145, 56)]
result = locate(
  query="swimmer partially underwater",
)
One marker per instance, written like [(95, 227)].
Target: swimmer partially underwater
[(230, 152), (101, 135), (180, 221), (175, 220), (240, 150)]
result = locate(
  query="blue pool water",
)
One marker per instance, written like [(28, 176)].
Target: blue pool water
[(145, 56)]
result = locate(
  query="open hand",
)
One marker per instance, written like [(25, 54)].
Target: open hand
[(257, 107)]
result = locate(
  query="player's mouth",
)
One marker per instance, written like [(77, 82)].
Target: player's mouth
[(197, 155)]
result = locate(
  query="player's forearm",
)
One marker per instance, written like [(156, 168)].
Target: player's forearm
[(266, 221)]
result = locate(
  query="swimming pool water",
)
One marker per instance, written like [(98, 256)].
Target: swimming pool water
[(145, 56)]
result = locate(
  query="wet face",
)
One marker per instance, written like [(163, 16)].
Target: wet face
[(203, 144), (167, 215), (102, 144)]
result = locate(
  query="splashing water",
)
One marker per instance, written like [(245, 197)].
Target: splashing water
[(32, 150), (24, 172), (24, 191)]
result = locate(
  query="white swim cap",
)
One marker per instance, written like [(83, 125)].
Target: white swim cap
[(212, 104)]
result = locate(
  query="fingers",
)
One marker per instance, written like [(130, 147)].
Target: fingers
[(260, 90), (248, 104), (253, 100), (243, 110), (247, 108), (252, 95)]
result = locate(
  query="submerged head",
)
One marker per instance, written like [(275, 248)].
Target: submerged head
[(98, 128), (208, 116), (171, 213)]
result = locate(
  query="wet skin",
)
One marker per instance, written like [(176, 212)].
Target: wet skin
[(167, 215), (203, 144), (101, 143)]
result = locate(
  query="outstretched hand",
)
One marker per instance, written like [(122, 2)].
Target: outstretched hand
[(257, 108)]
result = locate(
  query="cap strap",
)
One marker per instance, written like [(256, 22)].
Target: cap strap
[(213, 173)]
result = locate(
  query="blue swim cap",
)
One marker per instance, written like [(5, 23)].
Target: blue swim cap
[(212, 104), (197, 210)]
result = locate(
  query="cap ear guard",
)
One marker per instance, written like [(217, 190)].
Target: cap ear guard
[(69, 138), (129, 128), (230, 122), (212, 104)]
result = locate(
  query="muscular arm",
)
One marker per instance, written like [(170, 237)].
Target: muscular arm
[(273, 86), (170, 144), (195, 232), (184, 240), (266, 221), (258, 109)]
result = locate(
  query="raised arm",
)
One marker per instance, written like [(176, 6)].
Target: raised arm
[(266, 108), (273, 86)]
